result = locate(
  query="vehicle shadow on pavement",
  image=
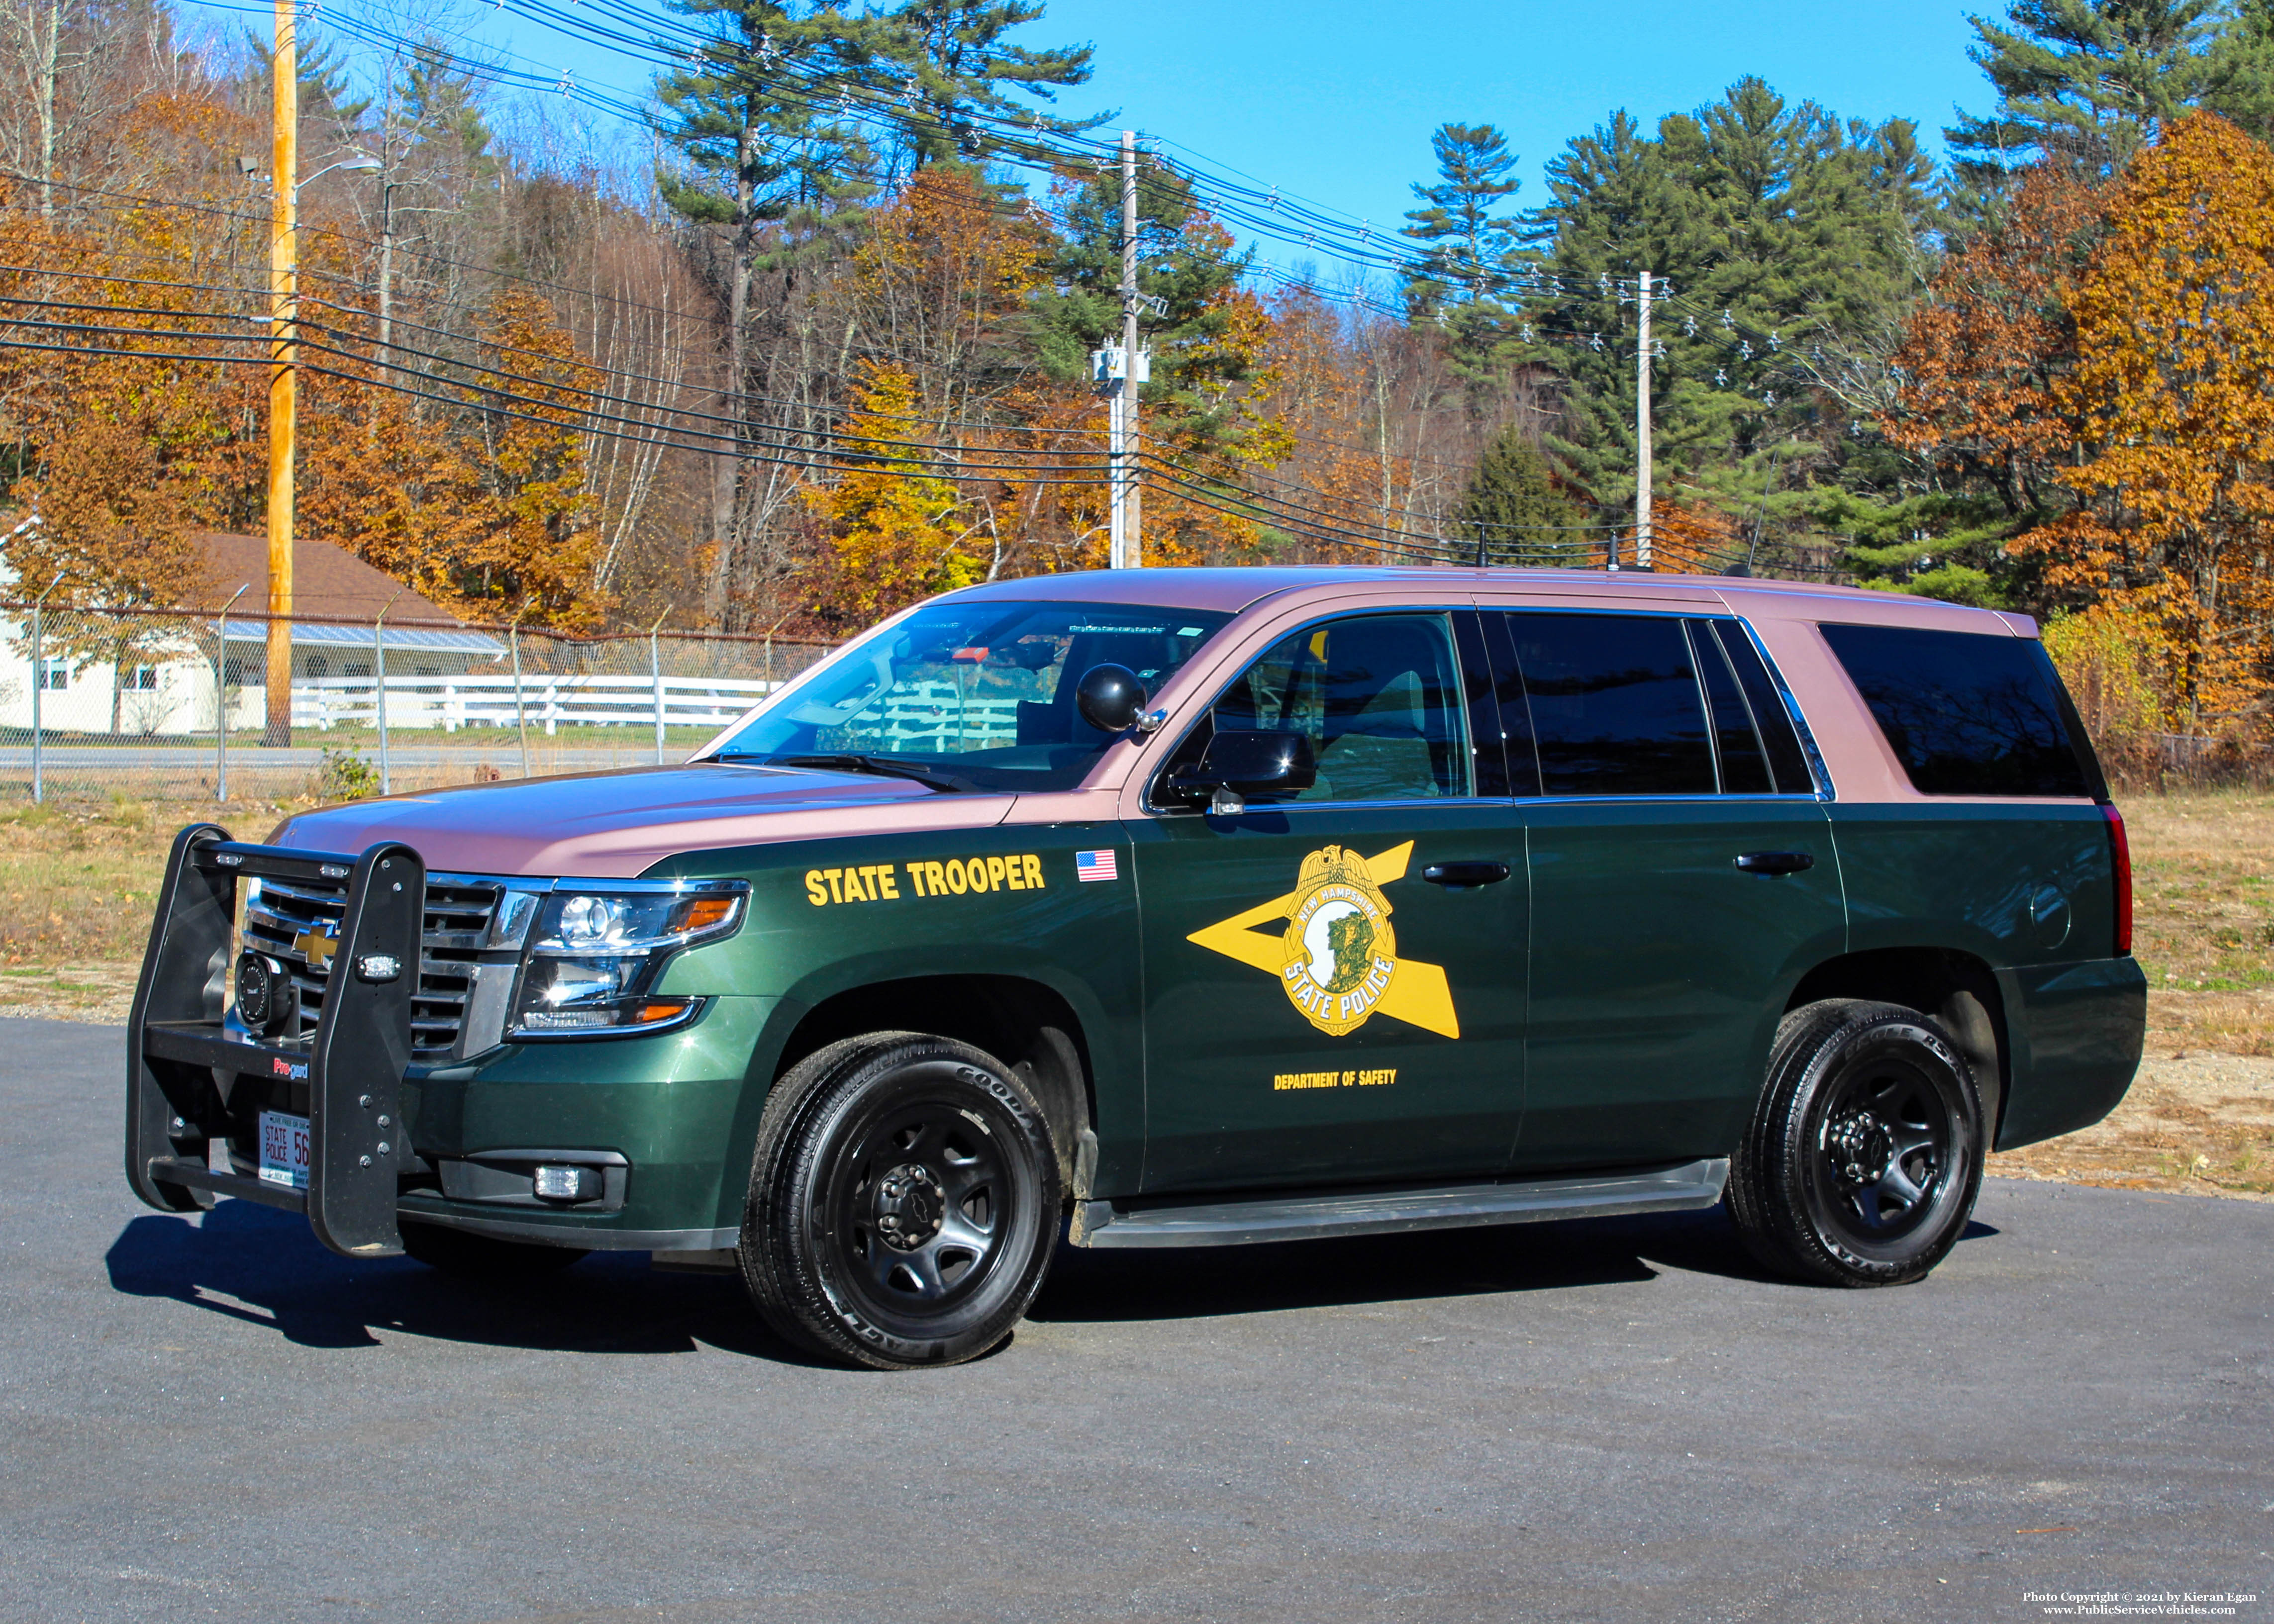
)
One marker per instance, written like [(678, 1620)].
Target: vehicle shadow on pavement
[(1194, 1282), (265, 1268)]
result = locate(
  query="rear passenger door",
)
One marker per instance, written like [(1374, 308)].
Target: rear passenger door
[(1683, 878)]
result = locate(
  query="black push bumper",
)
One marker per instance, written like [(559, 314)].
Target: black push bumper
[(190, 1080)]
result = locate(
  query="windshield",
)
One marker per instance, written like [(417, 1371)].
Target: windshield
[(979, 694)]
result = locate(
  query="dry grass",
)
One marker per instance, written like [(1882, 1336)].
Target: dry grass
[(77, 882), (2201, 1123), (2203, 900)]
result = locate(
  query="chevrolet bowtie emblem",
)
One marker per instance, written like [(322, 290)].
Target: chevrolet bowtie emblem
[(316, 946)]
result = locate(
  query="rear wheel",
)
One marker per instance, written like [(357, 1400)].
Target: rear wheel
[(483, 1257), (1864, 1156), (904, 1202)]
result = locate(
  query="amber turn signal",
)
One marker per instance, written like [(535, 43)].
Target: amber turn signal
[(700, 914)]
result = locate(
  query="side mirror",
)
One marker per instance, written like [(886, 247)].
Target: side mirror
[(1109, 699), (1251, 763)]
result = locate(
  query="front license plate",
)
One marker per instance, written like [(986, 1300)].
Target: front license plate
[(284, 1149)]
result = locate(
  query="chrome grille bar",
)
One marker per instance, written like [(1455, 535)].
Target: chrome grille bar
[(458, 954)]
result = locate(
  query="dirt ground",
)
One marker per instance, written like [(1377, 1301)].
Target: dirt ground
[(78, 881)]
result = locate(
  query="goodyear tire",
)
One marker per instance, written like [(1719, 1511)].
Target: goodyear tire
[(904, 1202), (1864, 1156), (482, 1257)]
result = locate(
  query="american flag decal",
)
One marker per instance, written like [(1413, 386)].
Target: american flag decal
[(1095, 866)]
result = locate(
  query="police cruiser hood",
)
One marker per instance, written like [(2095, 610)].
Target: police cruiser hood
[(620, 825)]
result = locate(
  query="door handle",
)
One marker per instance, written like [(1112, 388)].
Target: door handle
[(1776, 862), (1465, 875)]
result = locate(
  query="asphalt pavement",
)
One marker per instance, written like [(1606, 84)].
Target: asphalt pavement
[(1607, 1420)]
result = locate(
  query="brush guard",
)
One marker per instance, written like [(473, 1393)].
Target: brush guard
[(186, 1071)]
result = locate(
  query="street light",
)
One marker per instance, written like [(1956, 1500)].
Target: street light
[(362, 163)]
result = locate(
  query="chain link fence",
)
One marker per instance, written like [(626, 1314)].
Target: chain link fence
[(172, 705)]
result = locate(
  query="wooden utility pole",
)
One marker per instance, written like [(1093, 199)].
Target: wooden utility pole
[(1641, 423), (284, 378), (1132, 438)]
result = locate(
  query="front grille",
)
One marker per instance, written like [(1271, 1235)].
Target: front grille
[(294, 921)]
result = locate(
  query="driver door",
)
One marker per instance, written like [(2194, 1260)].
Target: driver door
[(1317, 1009)]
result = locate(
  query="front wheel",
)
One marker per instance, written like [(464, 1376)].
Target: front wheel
[(1865, 1153), (904, 1202)]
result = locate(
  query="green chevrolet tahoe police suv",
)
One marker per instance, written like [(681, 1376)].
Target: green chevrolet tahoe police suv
[(1186, 908)]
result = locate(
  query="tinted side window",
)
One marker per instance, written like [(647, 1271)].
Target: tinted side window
[(1515, 709), (1380, 696), (1487, 729), (1744, 764), (1967, 713), (1787, 759), (1615, 709)]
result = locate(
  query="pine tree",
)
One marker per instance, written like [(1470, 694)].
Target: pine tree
[(955, 66), (436, 105), (1513, 514), (1612, 212), (758, 146), (1457, 283), (2241, 68), (2084, 83), (1777, 228), (1187, 262)]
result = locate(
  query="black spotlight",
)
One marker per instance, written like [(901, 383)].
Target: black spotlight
[(1109, 699), (267, 1001)]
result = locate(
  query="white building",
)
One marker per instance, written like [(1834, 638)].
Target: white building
[(165, 685)]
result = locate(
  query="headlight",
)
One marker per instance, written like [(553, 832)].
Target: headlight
[(598, 954)]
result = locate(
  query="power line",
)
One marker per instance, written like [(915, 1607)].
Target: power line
[(745, 397)]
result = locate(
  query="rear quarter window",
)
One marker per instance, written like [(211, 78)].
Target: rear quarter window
[(1967, 713)]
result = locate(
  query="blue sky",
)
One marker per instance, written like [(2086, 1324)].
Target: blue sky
[(1334, 100)]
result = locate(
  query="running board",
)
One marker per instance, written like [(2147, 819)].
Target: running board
[(1205, 1222)]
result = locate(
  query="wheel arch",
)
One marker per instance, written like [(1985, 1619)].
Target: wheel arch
[(1959, 989), (1026, 1024)]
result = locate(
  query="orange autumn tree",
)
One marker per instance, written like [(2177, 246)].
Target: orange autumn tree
[(943, 286), (478, 501), (894, 522), (535, 540), (2174, 423), (129, 424), (1318, 402), (1981, 354)]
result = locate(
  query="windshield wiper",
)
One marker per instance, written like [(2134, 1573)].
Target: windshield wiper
[(882, 766)]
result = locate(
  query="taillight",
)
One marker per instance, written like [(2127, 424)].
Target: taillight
[(2120, 848)]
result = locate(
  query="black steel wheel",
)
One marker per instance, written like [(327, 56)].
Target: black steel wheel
[(1866, 1154), (483, 1257), (904, 1202)]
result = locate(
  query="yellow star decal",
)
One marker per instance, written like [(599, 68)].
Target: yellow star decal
[(1337, 982)]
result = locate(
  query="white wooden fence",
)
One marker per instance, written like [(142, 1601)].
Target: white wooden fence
[(543, 701), (933, 713)]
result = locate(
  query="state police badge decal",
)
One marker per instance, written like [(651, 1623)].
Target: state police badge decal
[(1333, 949), (1341, 952)]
